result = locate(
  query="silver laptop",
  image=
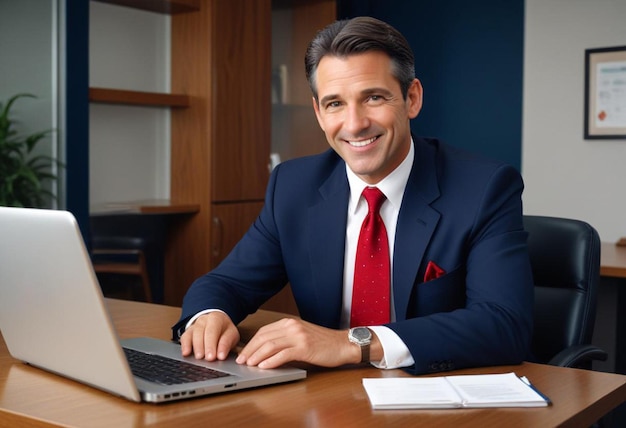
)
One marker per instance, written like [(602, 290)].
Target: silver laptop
[(53, 316)]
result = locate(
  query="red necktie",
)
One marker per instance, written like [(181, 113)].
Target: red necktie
[(370, 293)]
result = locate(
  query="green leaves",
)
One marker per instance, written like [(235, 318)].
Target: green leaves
[(21, 175)]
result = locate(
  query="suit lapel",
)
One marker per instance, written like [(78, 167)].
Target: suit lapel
[(327, 237), (417, 221)]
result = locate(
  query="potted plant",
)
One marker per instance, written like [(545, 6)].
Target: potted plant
[(23, 175)]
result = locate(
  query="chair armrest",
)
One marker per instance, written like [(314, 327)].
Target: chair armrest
[(578, 355)]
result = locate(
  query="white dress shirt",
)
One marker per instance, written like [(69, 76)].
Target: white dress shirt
[(396, 354)]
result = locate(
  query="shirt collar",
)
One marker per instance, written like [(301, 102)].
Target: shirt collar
[(392, 186)]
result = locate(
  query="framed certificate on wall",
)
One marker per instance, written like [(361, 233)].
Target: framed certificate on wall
[(605, 93)]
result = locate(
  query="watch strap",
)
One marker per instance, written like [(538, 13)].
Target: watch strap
[(365, 353), (361, 342)]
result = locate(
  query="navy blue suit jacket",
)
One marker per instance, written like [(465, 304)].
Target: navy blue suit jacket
[(462, 212)]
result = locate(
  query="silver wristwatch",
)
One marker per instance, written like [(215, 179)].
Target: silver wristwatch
[(362, 336)]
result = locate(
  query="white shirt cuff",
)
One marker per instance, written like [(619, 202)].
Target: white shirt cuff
[(395, 352), (199, 314)]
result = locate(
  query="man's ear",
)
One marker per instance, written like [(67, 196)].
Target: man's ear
[(414, 98), (316, 107)]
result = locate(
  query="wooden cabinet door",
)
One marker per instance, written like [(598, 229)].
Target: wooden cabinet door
[(230, 222)]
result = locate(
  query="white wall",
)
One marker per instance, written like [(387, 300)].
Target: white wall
[(129, 145), (27, 44), (565, 174), (28, 64)]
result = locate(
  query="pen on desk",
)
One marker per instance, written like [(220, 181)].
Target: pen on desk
[(527, 382)]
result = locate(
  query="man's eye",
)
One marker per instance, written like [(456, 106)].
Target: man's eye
[(376, 98), (333, 104)]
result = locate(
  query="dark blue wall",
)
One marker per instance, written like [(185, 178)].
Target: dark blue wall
[(469, 58), (77, 112)]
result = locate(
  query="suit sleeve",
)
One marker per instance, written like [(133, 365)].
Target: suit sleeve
[(494, 324), (252, 273)]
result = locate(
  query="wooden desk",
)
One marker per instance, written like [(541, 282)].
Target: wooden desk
[(612, 260), (613, 282), (327, 398)]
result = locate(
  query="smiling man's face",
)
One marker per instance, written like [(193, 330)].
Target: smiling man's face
[(363, 114)]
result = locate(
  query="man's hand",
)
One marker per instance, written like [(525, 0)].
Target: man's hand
[(212, 336), (296, 340)]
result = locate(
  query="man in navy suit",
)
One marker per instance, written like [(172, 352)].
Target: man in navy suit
[(461, 283)]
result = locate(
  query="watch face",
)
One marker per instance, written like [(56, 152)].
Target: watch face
[(361, 334)]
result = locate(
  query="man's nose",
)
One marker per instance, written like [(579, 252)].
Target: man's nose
[(356, 119)]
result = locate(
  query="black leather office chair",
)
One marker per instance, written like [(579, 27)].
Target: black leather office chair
[(565, 259)]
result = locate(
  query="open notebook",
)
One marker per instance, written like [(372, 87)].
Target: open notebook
[(53, 316)]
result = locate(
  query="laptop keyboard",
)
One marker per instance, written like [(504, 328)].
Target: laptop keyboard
[(167, 371)]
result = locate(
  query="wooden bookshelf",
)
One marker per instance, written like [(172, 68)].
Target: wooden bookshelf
[(118, 96), (169, 7)]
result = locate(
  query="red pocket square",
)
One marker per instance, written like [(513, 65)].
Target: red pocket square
[(433, 271)]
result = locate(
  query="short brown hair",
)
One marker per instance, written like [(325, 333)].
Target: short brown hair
[(356, 36)]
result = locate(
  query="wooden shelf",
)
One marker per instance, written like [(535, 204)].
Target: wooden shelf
[(118, 96), (169, 7), (149, 206)]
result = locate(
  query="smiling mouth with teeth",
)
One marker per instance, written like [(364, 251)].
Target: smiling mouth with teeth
[(362, 143)]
